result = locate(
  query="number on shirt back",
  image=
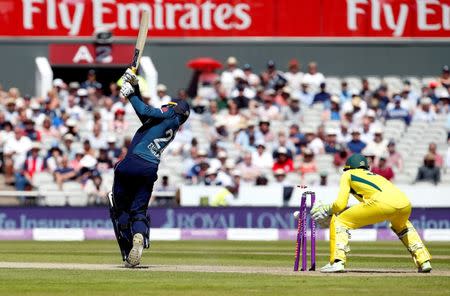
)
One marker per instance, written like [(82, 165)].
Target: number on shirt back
[(156, 147), (169, 134)]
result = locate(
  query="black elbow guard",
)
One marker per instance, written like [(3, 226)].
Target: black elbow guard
[(137, 91)]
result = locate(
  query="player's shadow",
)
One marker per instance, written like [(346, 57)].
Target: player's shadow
[(378, 271), (131, 268)]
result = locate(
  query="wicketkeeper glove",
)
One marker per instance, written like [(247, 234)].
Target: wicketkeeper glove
[(321, 212), (130, 76), (126, 90), (325, 223)]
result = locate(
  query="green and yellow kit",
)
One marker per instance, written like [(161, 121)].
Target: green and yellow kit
[(380, 200)]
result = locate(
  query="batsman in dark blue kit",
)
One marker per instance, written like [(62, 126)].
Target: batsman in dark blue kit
[(135, 174)]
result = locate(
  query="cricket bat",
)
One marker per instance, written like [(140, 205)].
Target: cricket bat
[(140, 42)]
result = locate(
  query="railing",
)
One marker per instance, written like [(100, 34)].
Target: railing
[(62, 197)]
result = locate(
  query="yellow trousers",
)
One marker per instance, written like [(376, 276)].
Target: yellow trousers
[(381, 207)]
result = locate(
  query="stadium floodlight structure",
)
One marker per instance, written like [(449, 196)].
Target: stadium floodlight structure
[(43, 76)]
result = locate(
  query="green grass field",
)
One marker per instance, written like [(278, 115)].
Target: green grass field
[(213, 268)]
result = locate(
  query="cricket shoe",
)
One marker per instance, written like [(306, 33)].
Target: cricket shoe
[(425, 267), (134, 258), (332, 268)]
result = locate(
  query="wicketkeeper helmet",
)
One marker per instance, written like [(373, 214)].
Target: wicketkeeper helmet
[(356, 161)]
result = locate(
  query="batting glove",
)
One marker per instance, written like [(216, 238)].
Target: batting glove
[(126, 90), (130, 76), (321, 212)]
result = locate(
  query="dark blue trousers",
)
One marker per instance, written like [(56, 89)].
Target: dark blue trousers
[(132, 189)]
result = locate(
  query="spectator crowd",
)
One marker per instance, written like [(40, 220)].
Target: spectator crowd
[(283, 127), (276, 126)]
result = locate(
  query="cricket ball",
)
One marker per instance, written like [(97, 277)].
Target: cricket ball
[(296, 214)]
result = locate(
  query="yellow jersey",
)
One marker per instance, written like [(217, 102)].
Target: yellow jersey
[(365, 185)]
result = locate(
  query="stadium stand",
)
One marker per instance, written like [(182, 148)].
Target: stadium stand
[(239, 126)]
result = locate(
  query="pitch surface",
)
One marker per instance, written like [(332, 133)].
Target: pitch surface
[(213, 267)]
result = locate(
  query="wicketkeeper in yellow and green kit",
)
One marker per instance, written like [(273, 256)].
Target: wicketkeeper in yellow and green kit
[(379, 200)]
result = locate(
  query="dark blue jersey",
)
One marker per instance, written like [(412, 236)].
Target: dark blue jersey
[(157, 131)]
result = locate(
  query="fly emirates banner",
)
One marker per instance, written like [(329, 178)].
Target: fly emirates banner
[(220, 18)]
